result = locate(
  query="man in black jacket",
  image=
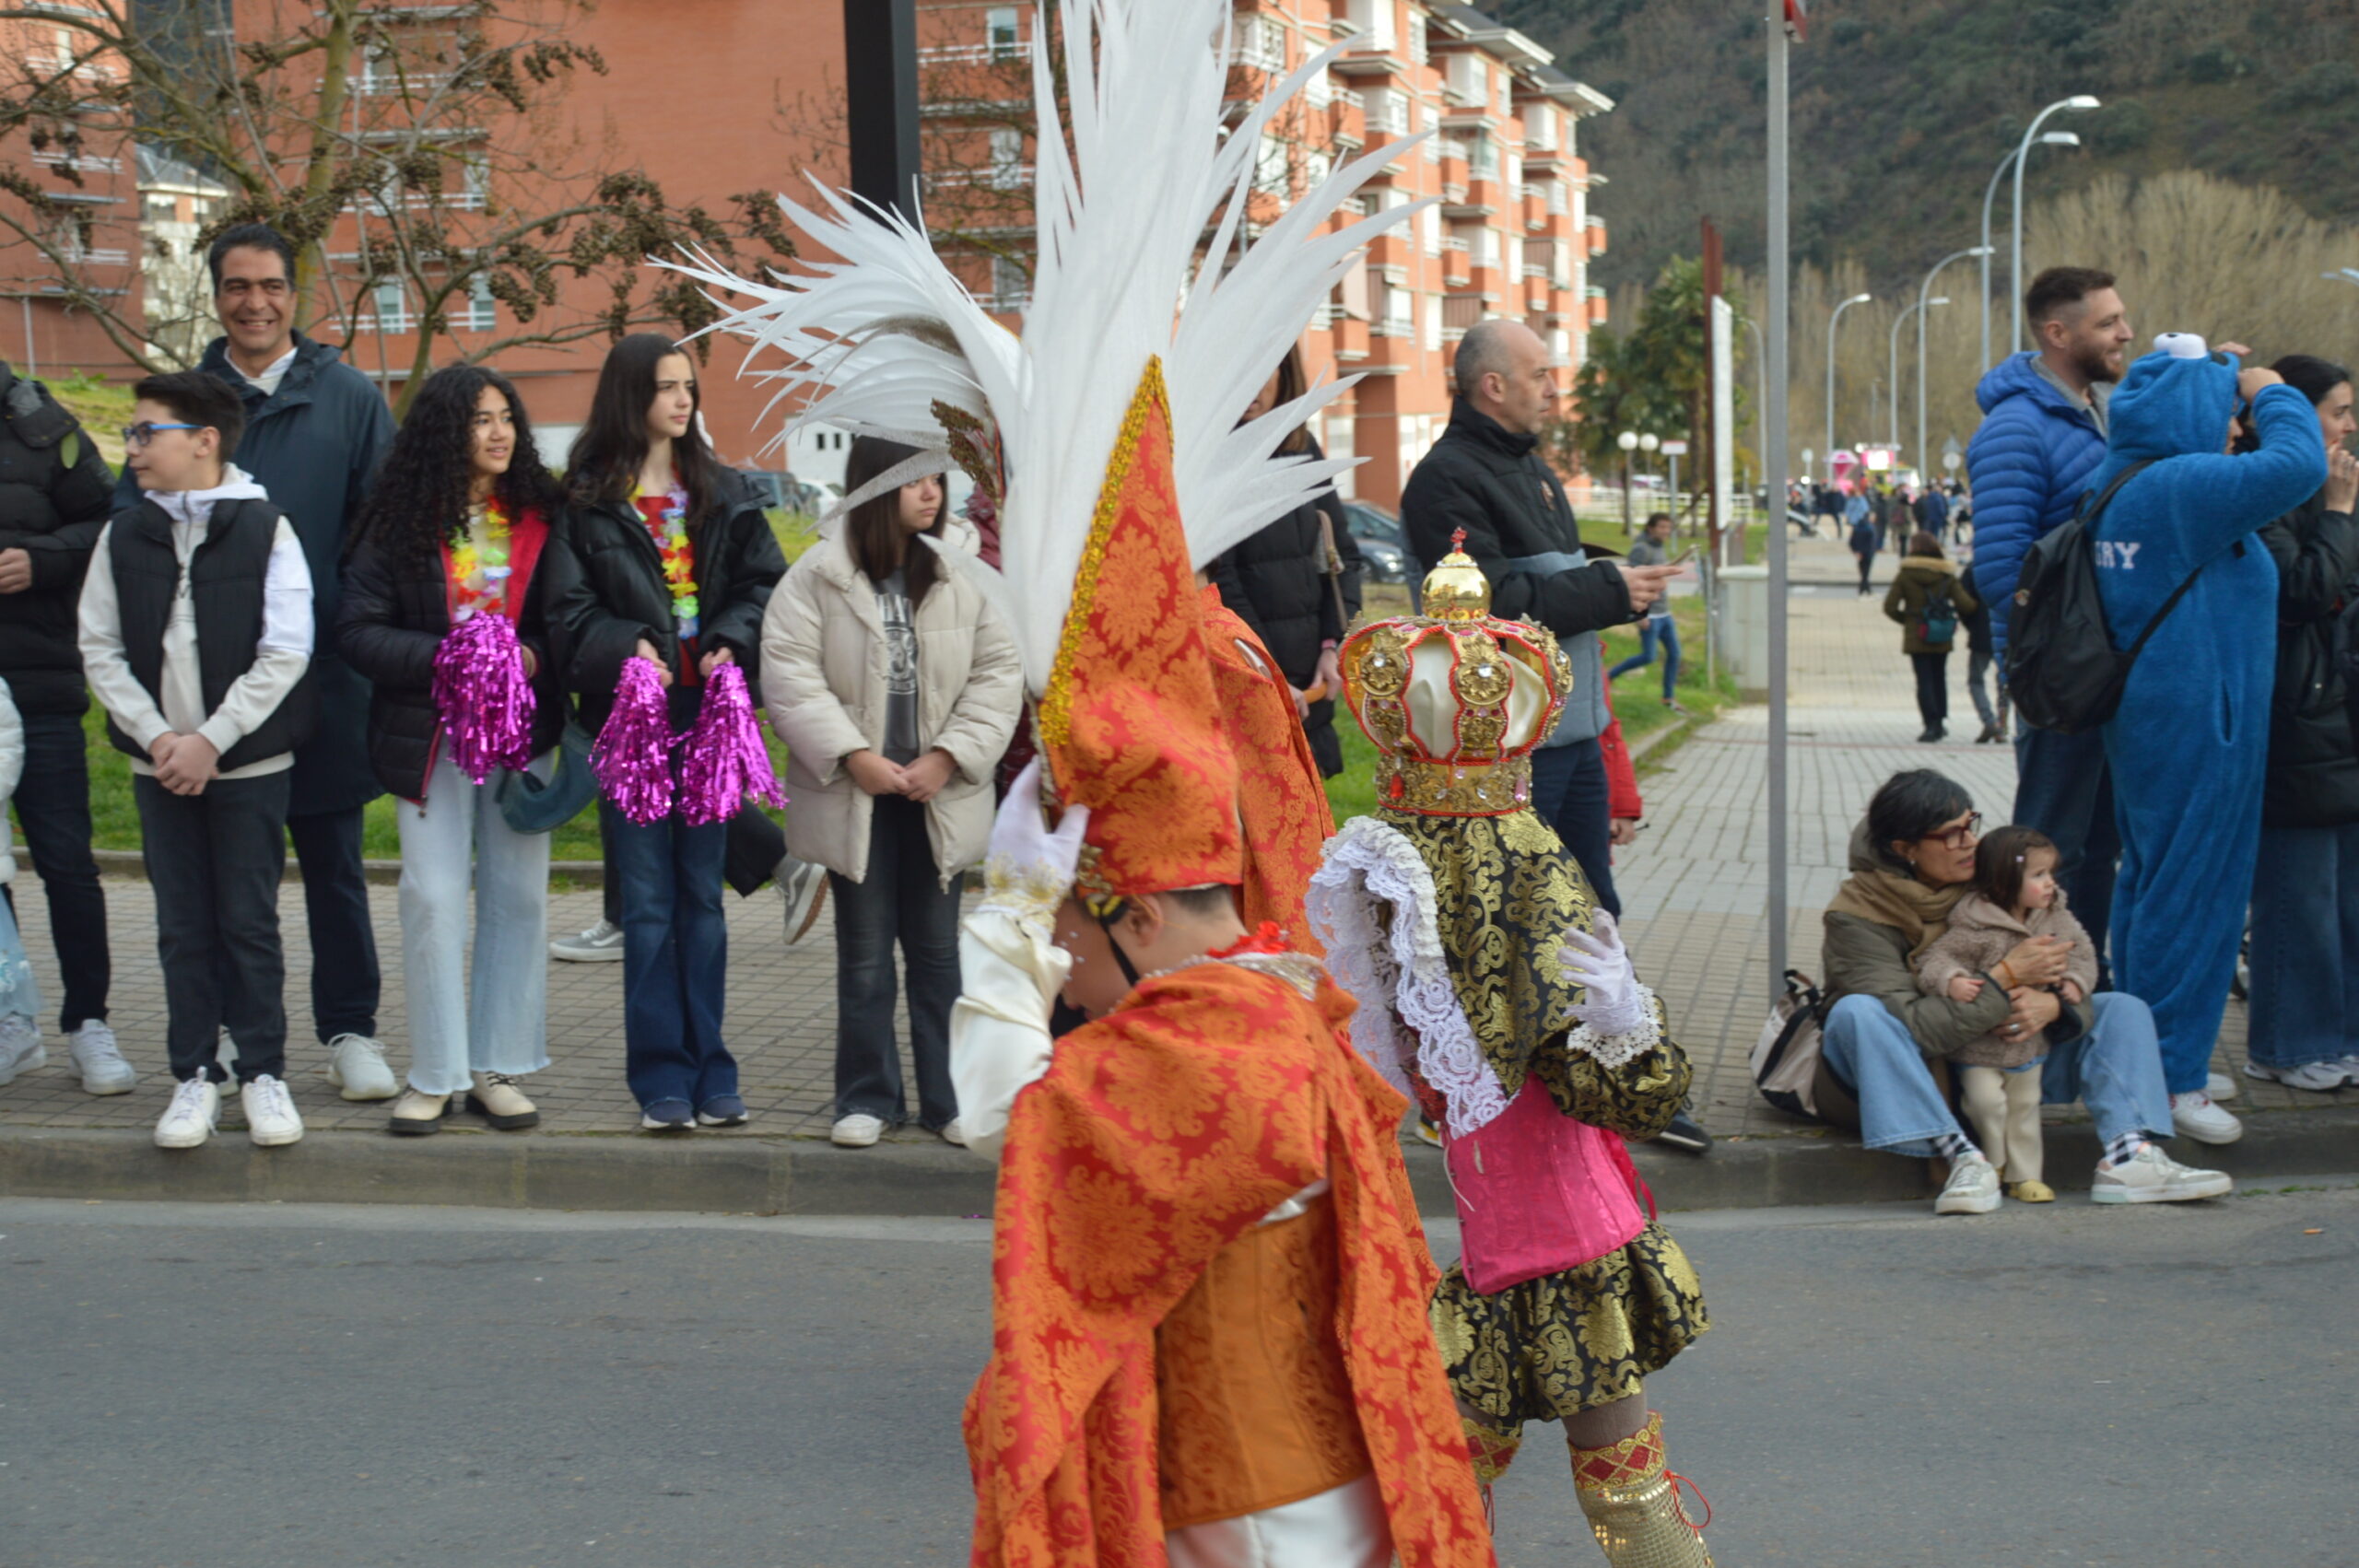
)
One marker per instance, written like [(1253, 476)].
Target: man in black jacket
[(315, 431), (1485, 477), (54, 491)]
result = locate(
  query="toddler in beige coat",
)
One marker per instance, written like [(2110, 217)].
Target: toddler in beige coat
[(2015, 897)]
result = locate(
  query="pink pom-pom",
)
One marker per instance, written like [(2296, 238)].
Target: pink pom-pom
[(722, 760), (633, 757), (486, 702)]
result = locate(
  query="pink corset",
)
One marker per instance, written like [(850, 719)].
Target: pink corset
[(1539, 1193)]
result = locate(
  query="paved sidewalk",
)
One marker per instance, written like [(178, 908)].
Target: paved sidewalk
[(1694, 887)]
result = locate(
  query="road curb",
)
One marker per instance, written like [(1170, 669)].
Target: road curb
[(736, 1174)]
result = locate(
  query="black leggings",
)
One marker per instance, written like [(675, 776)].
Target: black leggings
[(1932, 686), (1867, 561)]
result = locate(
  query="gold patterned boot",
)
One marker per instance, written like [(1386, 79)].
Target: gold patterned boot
[(1491, 1452), (1631, 1500)]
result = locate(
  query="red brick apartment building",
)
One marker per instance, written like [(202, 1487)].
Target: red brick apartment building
[(715, 97)]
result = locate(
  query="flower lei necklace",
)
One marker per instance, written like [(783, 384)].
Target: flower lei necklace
[(479, 566), (671, 533)]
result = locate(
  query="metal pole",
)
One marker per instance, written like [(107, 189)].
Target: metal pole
[(1774, 423), (1832, 322), (2023, 155), (881, 97), (2004, 164), (1924, 454), (1892, 378)]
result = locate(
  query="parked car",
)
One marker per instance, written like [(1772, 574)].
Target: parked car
[(787, 492), (1383, 545)]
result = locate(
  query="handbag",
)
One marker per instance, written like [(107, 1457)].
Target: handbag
[(1785, 1060), (543, 806), (1539, 1193)]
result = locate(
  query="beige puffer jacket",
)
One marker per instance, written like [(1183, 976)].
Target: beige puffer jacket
[(823, 682)]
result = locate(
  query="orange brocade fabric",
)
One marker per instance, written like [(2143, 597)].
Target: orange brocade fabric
[(1160, 1134), (1279, 793)]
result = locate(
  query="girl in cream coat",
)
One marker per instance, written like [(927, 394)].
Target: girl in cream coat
[(896, 688)]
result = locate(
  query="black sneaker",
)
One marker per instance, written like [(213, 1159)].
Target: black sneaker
[(1685, 1132), (667, 1115), (722, 1110)]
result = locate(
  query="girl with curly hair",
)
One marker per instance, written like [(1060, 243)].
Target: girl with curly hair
[(458, 525)]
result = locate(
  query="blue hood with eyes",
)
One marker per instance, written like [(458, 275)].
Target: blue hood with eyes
[(2167, 406)]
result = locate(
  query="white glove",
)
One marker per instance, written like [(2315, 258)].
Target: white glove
[(1029, 867), (1616, 1003)]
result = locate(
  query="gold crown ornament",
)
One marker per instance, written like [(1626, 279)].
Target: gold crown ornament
[(1455, 698)]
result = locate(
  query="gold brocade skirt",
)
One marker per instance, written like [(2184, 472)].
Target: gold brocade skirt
[(1568, 1342)]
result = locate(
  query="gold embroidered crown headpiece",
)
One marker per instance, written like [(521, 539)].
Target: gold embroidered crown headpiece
[(1454, 698)]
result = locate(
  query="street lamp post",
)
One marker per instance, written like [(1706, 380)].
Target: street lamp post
[(2049, 138), (1922, 289), (1832, 322), (1892, 363), (2344, 275), (2078, 101), (1786, 20), (1629, 441)]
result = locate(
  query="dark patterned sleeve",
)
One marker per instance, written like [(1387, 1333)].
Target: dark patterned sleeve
[(1636, 1099)]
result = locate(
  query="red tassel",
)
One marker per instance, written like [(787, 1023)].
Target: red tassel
[(633, 757), (722, 760), (485, 700)]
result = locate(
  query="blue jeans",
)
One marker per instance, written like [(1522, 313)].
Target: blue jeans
[(676, 957), (2064, 788), (1657, 627), (1568, 793), (2306, 946), (2115, 1070)]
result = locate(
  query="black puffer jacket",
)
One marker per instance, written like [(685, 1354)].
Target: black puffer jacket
[(390, 625), (1277, 583), (1491, 483), (606, 593), (2313, 777), (55, 495)]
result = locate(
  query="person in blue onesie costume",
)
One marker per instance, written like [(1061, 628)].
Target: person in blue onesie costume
[(2189, 742)]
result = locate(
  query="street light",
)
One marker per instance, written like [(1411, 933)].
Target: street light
[(2078, 102), (1629, 441), (2346, 275), (1981, 250), (2051, 138), (1892, 367), (1832, 322)]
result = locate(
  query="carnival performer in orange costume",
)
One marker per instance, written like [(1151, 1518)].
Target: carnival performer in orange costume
[(1492, 986), (1280, 797)]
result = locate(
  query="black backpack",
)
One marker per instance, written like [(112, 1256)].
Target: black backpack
[(2063, 672)]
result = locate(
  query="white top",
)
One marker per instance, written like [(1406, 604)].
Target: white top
[(12, 767), (274, 373), (280, 657)]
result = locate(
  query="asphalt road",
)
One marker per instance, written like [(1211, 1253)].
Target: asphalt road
[(200, 1386)]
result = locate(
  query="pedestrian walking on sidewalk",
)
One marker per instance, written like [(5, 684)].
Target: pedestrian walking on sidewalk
[(55, 494), (1927, 598), (2031, 460), (2306, 884), (1912, 861), (197, 623), (1652, 548), (20, 1047), (896, 687), (457, 527), (1989, 694), (315, 430), (1865, 538), (663, 556)]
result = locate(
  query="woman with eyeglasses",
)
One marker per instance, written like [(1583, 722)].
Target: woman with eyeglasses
[(1912, 861)]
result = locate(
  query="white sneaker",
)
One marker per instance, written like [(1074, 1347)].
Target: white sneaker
[(356, 1068), (802, 888), (99, 1060), (856, 1132), (189, 1120), (2220, 1086), (20, 1047), (2196, 1116), (602, 943), (2317, 1077), (271, 1117), (1973, 1188), (954, 1132), (2151, 1177)]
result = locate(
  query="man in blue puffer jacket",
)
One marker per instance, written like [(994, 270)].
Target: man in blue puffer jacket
[(2190, 740), (2041, 439)]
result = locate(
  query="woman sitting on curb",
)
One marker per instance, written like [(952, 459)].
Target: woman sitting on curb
[(1912, 861)]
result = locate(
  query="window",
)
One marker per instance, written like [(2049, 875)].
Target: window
[(1429, 223), (482, 311), (1399, 309), (1373, 18), (1271, 168), (1387, 111), (1260, 44), (1540, 129), (1011, 289), (1417, 37), (1433, 323), (1000, 33), (390, 306), (1515, 171), (159, 209), (1486, 247), (1007, 171), (1483, 156), (1504, 94), (1464, 79)]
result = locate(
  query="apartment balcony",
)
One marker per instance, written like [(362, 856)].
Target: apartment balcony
[(1349, 335), (974, 55), (1373, 58), (1460, 311), (1597, 236)]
